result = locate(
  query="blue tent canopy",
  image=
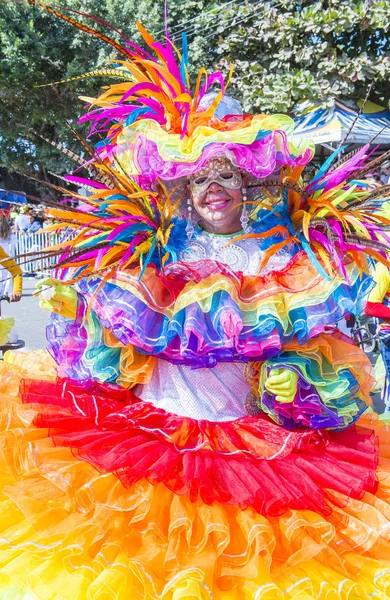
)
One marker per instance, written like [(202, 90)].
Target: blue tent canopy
[(324, 125), (8, 198)]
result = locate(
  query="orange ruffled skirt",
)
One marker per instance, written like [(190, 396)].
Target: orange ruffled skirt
[(71, 531)]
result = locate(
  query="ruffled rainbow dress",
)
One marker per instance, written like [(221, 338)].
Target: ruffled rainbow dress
[(106, 496)]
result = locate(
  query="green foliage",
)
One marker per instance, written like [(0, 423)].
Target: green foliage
[(283, 53), (300, 49), (36, 48)]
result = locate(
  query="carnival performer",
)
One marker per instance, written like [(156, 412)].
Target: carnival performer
[(9, 272), (202, 431)]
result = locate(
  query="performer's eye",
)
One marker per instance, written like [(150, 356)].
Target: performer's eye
[(226, 175), (200, 180)]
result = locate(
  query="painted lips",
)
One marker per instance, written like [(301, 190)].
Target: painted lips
[(218, 203)]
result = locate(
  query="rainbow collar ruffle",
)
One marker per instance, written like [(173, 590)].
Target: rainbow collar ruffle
[(202, 313)]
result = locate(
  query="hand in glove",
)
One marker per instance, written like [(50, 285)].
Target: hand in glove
[(58, 298), (283, 384)]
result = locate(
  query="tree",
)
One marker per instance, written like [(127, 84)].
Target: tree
[(295, 50), (37, 48)]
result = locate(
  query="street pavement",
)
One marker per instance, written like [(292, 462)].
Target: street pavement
[(30, 319)]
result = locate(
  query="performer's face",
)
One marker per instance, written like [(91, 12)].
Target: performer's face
[(216, 195)]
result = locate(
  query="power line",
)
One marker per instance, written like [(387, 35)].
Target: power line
[(228, 22), (192, 30), (242, 20), (200, 21), (179, 26)]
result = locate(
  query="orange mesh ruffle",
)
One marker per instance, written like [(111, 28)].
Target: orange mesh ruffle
[(69, 532)]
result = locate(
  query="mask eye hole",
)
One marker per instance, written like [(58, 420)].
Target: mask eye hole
[(226, 175), (200, 180)]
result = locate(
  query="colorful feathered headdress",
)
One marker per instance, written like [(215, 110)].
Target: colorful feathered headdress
[(155, 125)]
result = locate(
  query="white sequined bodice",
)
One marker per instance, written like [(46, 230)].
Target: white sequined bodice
[(216, 394), (241, 256), (219, 393)]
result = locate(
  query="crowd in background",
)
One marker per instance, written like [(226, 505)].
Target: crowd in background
[(382, 176), (28, 220), (18, 227)]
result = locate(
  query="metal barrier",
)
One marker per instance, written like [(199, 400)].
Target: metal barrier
[(33, 243)]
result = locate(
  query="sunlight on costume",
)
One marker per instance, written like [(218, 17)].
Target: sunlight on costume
[(147, 456)]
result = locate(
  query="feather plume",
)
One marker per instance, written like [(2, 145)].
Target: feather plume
[(99, 73), (121, 230), (333, 219), (80, 26), (371, 166)]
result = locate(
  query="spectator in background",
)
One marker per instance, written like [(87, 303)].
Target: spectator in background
[(34, 225), (8, 245), (13, 214), (21, 221), (385, 173), (9, 271), (373, 178)]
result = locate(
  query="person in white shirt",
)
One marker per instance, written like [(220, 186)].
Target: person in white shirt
[(8, 242), (22, 221)]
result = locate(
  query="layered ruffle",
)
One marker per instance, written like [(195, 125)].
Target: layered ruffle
[(257, 145), (201, 313), (247, 462), (334, 383), (69, 532), (83, 349)]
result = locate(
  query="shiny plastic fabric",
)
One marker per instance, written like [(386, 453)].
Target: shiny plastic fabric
[(334, 383), (148, 150), (199, 314)]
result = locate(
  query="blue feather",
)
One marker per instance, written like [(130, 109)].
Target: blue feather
[(324, 168), (131, 231), (184, 58), (147, 259), (135, 114)]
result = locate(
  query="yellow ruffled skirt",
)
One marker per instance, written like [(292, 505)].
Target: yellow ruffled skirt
[(6, 325), (69, 532)]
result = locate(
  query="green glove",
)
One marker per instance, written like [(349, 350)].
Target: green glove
[(283, 383), (57, 297)]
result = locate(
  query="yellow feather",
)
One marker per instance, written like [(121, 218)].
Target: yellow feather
[(183, 98), (305, 225), (358, 225), (325, 258)]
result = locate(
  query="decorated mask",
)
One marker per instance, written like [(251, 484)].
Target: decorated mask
[(218, 170)]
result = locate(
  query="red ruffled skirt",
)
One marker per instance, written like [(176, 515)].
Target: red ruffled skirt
[(247, 462)]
